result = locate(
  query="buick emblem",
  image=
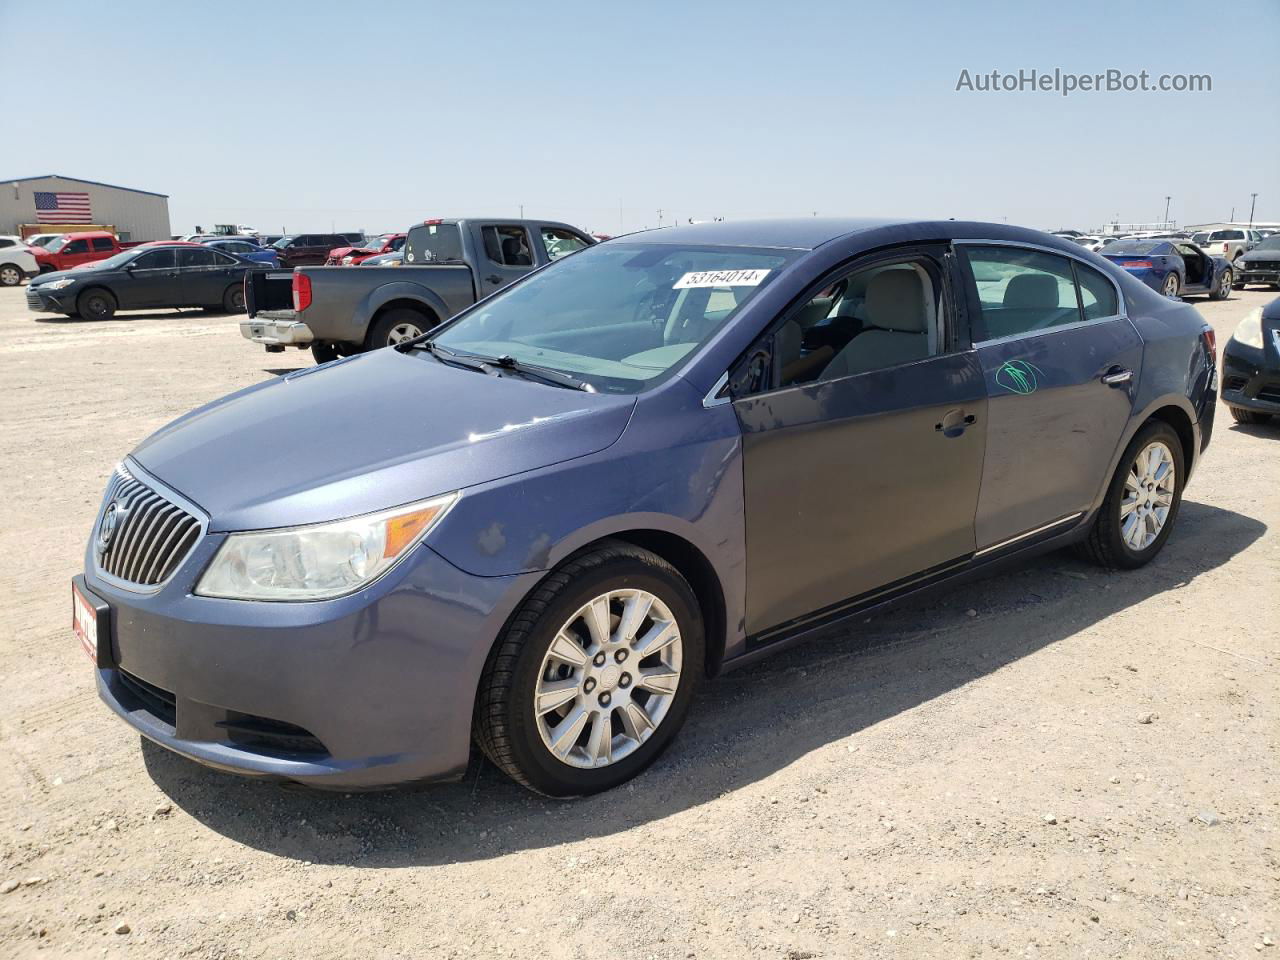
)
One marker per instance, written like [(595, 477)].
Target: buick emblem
[(107, 528)]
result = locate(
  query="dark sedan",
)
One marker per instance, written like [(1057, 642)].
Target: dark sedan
[(160, 275), (1173, 267), (542, 524), (1261, 264), (1251, 366)]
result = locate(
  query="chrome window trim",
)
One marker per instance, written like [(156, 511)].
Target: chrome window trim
[(1029, 533), (130, 466), (1067, 254), (711, 400)]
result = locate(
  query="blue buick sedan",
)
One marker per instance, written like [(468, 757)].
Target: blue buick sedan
[(540, 526)]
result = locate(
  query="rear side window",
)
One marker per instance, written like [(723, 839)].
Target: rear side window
[(1097, 295), (434, 243), (1021, 291), (193, 257), (6, 243), (102, 243)]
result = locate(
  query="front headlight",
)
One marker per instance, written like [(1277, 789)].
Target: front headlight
[(321, 561), (1249, 332), (60, 284)]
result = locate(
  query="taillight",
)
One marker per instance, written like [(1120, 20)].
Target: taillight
[(1225, 247), (1210, 339), (432, 223), (1135, 263), (301, 292)]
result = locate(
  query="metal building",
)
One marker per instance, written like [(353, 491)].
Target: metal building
[(57, 204)]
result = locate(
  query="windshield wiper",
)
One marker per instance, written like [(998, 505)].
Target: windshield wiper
[(507, 362)]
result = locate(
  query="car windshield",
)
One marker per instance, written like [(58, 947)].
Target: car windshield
[(282, 243), (1269, 243), (1134, 246), (617, 315), (113, 262)]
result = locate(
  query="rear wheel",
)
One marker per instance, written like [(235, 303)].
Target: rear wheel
[(1223, 288), (233, 298), (1141, 504), (1171, 285), (10, 276), (397, 326), (594, 675), (1241, 415), (325, 352), (96, 305)]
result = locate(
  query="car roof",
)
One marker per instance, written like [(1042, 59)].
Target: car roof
[(809, 233), (89, 234)]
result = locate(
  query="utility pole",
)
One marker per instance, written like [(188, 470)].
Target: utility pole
[(522, 211), (1253, 203), (1233, 215), (1166, 210), (659, 218)]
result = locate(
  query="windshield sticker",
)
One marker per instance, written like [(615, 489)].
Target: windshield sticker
[(1019, 376), (720, 278)]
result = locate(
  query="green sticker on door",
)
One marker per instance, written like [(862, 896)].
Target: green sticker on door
[(1019, 376)]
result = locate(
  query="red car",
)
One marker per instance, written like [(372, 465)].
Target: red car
[(350, 256), (74, 249)]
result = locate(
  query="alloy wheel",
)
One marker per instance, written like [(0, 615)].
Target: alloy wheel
[(1226, 284), (1149, 490), (1171, 285), (402, 332), (608, 679), (9, 276)]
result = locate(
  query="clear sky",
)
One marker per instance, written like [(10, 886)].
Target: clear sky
[(375, 114)]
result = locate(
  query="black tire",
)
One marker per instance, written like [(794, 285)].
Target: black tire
[(1252, 417), (96, 304), (1222, 289), (505, 726), (1105, 544), (45, 268), (390, 327), (10, 275), (1171, 289), (325, 352), (233, 298)]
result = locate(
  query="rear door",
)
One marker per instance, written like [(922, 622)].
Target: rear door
[(1061, 362), (151, 281), (506, 254), (863, 415), (205, 274)]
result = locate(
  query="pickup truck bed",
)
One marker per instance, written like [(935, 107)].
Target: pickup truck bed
[(448, 266)]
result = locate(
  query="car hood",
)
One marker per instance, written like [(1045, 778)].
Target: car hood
[(1270, 254), (369, 432), (53, 275)]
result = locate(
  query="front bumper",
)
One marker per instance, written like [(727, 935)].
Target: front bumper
[(369, 690), (1250, 378), (1251, 275), (276, 332), (40, 300)]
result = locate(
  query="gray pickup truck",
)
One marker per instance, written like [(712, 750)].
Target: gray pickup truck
[(448, 265)]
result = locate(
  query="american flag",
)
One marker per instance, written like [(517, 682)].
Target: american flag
[(62, 207)]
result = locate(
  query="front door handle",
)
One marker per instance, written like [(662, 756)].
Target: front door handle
[(494, 279), (1117, 377)]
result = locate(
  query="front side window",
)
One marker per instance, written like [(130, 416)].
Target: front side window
[(155, 260), (75, 246), (618, 315), (560, 243), (1021, 291), (875, 317)]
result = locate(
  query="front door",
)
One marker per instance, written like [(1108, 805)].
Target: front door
[(508, 256), (862, 466), (152, 281), (1060, 361)]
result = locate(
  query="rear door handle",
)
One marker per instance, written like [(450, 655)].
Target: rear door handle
[(954, 423), (494, 279), (1117, 377)]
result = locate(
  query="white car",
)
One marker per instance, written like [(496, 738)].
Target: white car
[(17, 262), (1229, 242), (1093, 244), (42, 239)]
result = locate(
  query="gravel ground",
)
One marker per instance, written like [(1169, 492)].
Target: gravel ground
[(1052, 762)]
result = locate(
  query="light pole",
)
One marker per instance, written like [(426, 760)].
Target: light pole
[(522, 211), (1253, 202), (1166, 210)]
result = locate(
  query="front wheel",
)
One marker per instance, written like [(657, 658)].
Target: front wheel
[(1223, 289), (1142, 501), (1241, 415), (594, 676), (96, 305), (1171, 285)]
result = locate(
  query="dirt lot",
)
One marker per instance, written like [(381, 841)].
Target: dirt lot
[(1054, 762)]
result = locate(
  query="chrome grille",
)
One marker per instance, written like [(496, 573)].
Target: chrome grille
[(34, 300), (142, 536)]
